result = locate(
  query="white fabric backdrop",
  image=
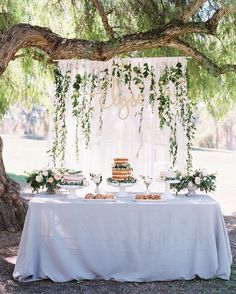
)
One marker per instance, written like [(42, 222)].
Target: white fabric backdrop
[(148, 153)]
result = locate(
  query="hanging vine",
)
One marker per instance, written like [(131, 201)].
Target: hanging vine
[(138, 81), (152, 89), (58, 149), (75, 112), (171, 112), (104, 82)]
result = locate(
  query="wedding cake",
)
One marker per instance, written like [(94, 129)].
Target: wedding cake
[(122, 171), (73, 178)]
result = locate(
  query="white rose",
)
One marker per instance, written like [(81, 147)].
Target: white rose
[(45, 173), (184, 174), (197, 180), (39, 179), (50, 180)]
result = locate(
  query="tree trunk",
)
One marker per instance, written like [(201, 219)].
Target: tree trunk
[(12, 206)]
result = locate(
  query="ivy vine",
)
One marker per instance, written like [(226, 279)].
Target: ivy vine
[(58, 149), (171, 111)]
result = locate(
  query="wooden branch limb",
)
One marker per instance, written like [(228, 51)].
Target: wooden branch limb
[(102, 13), (202, 59), (213, 22), (190, 9), (56, 47)]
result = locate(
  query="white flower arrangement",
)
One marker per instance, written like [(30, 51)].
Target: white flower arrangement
[(49, 178), (200, 178)]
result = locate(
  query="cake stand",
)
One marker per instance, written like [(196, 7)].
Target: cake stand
[(72, 188), (122, 188), (168, 194)]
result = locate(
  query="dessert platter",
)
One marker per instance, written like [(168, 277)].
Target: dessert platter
[(121, 176), (99, 197), (148, 198)]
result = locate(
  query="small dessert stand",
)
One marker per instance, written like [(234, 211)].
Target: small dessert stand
[(122, 188), (71, 188), (168, 194)]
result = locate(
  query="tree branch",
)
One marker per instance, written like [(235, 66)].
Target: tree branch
[(102, 13), (212, 67), (190, 9), (57, 47), (213, 22)]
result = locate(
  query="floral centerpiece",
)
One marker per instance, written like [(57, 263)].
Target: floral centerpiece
[(195, 180), (49, 178), (97, 179)]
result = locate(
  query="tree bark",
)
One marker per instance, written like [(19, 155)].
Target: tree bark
[(12, 206)]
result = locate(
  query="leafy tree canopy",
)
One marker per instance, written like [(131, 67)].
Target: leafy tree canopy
[(209, 26)]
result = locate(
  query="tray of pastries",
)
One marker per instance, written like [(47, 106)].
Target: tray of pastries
[(148, 198), (99, 197)]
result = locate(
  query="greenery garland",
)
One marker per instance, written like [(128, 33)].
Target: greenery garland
[(171, 112), (104, 82), (58, 149), (75, 112)]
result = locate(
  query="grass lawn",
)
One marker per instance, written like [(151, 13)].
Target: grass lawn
[(23, 154)]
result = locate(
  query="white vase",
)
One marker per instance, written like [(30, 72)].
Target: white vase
[(192, 190)]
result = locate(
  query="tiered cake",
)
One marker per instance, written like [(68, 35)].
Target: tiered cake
[(73, 178), (121, 169), (121, 172)]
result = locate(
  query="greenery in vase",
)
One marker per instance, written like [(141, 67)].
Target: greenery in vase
[(49, 178), (202, 180)]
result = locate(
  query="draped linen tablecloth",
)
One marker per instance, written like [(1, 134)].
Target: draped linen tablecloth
[(65, 238)]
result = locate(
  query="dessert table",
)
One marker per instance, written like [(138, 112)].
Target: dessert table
[(67, 238)]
